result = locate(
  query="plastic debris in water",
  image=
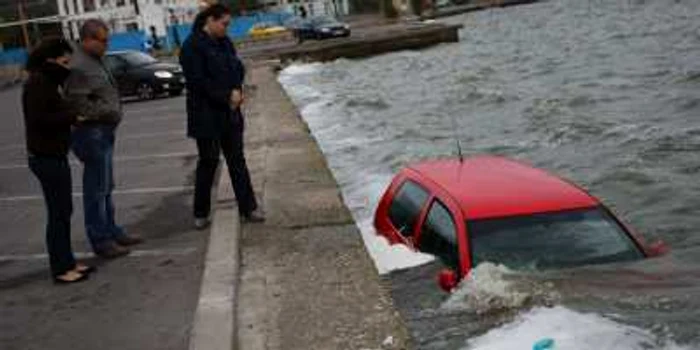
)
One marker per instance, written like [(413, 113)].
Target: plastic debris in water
[(544, 344)]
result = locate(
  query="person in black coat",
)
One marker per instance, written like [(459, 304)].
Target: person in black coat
[(48, 121), (214, 76)]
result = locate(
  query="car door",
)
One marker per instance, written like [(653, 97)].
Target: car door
[(406, 208), (306, 30), (119, 69), (440, 235)]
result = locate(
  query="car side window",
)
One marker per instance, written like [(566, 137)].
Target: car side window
[(439, 236), (406, 207)]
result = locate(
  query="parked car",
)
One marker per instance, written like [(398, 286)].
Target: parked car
[(266, 30), (319, 28), (505, 212), (141, 75), (442, 3)]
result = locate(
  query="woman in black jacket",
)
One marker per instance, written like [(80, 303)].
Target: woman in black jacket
[(48, 123), (214, 76)]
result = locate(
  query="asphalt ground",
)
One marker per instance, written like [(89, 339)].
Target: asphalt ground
[(142, 301)]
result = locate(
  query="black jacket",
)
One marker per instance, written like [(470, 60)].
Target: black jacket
[(47, 117), (212, 70)]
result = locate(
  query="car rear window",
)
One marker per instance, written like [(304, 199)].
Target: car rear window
[(551, 240), (406, 207)]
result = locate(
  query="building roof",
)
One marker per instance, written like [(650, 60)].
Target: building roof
[(489, 187)]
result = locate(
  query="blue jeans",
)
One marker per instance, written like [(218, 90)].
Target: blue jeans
[(94, 146), (54, 175)]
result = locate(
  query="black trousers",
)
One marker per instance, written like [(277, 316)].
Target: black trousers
[(55, 178), (231, 143)]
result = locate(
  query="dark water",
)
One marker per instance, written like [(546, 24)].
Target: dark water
[(605, 93)]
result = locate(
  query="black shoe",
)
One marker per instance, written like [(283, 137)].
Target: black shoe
[(201, 223), (255, 216)]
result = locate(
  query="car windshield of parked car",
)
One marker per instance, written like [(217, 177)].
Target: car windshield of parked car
[(138, 58), (294, 22), (551, 240), (324, 22)]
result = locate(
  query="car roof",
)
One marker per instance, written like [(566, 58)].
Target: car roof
[(491, 187)]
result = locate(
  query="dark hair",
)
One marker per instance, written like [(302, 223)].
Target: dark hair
[(49, 48), (91, 27), (216, 11)]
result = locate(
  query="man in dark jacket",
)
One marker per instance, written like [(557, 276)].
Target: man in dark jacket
[(214, 76), (92, 91)]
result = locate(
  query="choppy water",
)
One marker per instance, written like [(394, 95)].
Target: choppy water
[(603, 92)]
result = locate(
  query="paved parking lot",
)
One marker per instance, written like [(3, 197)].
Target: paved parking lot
[(143, 301)]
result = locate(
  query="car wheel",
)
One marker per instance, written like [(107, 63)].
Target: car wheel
[(174, 93), (145, 91)]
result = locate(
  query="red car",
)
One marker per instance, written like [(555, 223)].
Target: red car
[(494, 209)]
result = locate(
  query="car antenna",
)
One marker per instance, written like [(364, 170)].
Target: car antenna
[(456, 136)]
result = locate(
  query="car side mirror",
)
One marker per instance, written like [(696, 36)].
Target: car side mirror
[(448, 280), (657, 248)]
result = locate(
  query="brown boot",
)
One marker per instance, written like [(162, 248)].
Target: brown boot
[(127, 240), (112, 251)]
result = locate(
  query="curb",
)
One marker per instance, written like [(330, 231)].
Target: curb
[(9, 85), (214, 321)]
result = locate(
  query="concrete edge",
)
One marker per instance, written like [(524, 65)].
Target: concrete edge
[(9, 85), (214, 320)]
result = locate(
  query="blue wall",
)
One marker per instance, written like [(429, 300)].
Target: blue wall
[(134, 40), (13, 57), (237, 30)]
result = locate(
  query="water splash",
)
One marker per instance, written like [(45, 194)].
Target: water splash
[(492, 288), (570, 330)]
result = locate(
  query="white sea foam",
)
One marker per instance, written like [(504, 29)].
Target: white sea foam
[(361, 189), (570, 330)]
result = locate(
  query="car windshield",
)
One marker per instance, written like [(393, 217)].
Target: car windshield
[(137, 58), (293, 22), (551, 240), (324, 21)]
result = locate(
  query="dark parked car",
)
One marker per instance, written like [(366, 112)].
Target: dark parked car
[(319, 28), (141, 75)]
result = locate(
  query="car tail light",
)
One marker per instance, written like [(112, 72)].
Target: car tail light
[(447, 279)]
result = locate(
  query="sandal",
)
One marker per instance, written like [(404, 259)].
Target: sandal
[(70, 277), (84, 269)]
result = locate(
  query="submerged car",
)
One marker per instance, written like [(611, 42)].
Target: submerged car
[(139, 74), (494, 209), (319, 28)]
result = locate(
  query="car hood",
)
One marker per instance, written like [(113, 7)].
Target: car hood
[(331, 26), (169, 67)]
